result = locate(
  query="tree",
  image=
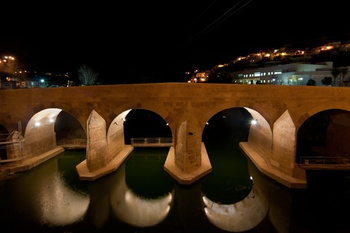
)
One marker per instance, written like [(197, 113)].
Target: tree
[(87, 76), (327, 81), (311, 82), (343, 72), (335, 74)]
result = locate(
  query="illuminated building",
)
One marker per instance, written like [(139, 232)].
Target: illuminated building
[(287, 74)]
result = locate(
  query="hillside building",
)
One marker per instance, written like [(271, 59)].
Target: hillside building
[(286, 74)]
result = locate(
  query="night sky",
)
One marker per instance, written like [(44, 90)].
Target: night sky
[(135, 41)]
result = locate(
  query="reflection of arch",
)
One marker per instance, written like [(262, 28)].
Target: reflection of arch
[(134, 210), (61, 205), (145, 169), (45, 196), (240, 216), (142, 212)]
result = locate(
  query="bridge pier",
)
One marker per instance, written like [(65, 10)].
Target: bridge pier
[(188, 160), (102, 157)]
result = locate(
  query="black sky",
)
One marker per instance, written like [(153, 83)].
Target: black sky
[(124, 41)]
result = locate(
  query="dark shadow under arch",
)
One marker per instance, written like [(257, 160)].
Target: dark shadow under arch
[(145, 123), (326, 133), (68, 130), (4, 133), (145, 166), (231, 124), (221, 137)]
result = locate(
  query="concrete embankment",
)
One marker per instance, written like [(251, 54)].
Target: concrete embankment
[(27, 164), (272, 172)]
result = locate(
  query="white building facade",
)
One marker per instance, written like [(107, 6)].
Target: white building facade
[(286, 74)]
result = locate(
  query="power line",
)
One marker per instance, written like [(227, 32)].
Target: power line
[(224, 19), (217, 22), (208, 27), (201, 14)]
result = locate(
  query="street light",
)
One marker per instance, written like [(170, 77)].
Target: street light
[(254, 122)]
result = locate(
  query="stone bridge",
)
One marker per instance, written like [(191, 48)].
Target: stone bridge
[(279, 111)]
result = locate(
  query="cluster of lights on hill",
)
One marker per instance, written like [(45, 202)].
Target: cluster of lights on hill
[(269, 55), (6, 58)]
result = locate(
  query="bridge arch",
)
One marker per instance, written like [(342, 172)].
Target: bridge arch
[(43, 128), (116, 129), (120, 108), (311, 111), (260, 133), (222, 135), (220, 125), (145, 123), (326, 133)]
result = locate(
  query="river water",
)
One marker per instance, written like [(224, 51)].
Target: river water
[(141, 197)]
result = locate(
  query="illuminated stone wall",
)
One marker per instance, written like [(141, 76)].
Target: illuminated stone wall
[(178, 103), (96, 148), (115, 136), (39, 140), (14, 150), (284, 144), (188, 147)]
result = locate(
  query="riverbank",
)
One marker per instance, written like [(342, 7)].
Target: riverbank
[(270, 171), (29, 163)]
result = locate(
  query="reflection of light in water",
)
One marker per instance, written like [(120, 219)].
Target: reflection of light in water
[(141, 212), (241, 216), (135, 210), (60, 205)]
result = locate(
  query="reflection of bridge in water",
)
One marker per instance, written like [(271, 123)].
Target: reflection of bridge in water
[(152, 142)]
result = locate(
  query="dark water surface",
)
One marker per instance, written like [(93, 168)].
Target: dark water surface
[(141, 197)]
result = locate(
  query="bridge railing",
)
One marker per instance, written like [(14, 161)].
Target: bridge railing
[(319, 160), (152, 141), (74, 143), (4, 142)]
